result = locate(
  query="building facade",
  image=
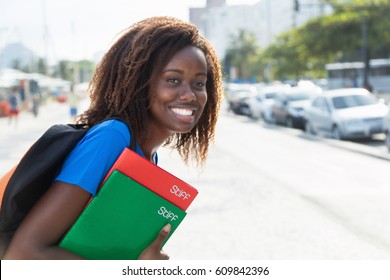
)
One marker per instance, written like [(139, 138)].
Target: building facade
[(265, 19)]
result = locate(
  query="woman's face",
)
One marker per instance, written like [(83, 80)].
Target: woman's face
[(178, 92)]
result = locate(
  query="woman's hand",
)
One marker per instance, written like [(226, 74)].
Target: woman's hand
[(153, 251), (46, 223)]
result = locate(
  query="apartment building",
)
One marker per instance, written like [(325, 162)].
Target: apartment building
[(266, 19)]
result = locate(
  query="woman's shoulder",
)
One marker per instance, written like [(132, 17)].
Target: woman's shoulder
[(112, 128), (111, 124)]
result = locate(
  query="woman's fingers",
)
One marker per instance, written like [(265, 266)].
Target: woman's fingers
[(157, 243), (153, 251)]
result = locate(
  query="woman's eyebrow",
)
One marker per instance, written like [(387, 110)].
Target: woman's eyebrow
[(182, 72), (173, 70)]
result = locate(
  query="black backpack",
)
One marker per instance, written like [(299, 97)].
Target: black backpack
[(34, 174)]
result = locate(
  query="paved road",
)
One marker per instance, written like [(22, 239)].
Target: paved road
[(269, 193)]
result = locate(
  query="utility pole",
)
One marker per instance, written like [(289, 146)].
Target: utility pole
[(365, 51), (269, 22), (366, 59), (76, 67), (45, 38)]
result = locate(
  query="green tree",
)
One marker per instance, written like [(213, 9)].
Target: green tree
[(86, 69), (241, 55), (16, 64), (304, 51), (65, 69), (41, 66)]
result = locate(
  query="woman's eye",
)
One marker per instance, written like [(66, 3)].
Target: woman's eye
[(200, 84), (173, 80)]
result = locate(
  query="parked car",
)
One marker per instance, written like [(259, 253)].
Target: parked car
[(289, 107), (346, 113), (260, 104), (387, 128), (254, 103), (237, 97)]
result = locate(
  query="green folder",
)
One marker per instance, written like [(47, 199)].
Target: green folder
[(120, 221)]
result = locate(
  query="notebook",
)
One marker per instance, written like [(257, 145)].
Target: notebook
[(121, 221), (155, 178)]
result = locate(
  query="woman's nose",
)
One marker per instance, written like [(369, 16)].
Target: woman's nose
[(187, 93)]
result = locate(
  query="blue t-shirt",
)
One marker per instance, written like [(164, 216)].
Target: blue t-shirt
[(91, 159)]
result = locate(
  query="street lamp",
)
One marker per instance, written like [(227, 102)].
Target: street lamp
[(296, 7)]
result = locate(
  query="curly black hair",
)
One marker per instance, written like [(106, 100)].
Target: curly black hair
[(120, 85)]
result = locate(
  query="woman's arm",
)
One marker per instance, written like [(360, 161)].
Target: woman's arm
[(39, 233)]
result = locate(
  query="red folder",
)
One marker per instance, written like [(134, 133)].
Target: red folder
[(155, 179)]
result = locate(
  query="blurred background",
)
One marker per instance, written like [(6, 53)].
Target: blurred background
[(299, 168)]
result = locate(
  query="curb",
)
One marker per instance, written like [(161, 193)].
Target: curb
[(354, 147), (342, 144)]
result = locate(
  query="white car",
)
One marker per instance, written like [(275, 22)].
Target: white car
[(237, 96), (346, 113), (260, 105)]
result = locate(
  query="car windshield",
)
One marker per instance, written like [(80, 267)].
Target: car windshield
[(298, 96), (341, 102), (270, 95)]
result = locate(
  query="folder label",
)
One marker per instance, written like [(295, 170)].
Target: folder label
[(180, 193), (169, 215)]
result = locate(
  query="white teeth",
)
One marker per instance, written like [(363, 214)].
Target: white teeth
[(182, 112)]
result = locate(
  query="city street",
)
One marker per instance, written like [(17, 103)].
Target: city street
[(265, 193), (270, 193)]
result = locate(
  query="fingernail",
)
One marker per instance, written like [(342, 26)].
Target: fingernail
[(167, 228)]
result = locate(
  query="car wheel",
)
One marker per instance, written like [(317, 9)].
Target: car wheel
[(289, 123), (309, 128), (388, 140), (336, 133), (230, 107), (266, 118), (273, 120), (253, 115)]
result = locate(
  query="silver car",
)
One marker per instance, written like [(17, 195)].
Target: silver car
[(387, 129), (346, 114)]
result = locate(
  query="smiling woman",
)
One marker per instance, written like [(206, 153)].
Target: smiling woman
[(164, 81), (178, 94)]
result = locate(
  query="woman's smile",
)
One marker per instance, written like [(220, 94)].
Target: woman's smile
[(183, 112)]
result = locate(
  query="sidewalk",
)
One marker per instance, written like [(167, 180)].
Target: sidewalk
[(377, 152), (16, 139)]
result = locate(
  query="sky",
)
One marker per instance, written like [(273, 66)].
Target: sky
[(81, 29)]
